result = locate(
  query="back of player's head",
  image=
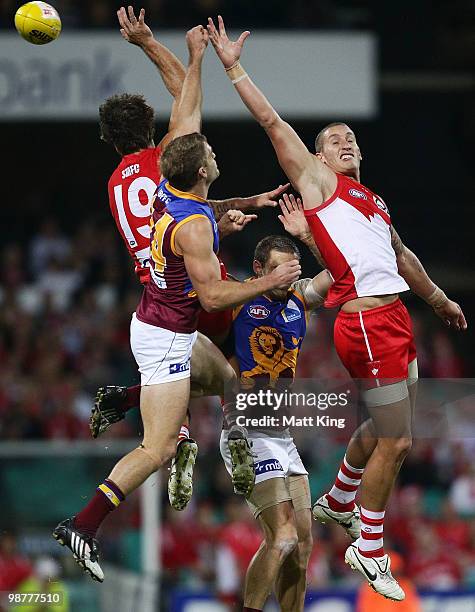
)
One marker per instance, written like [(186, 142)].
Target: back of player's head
[(321, 135), (277, 243), (127, 122), (181, 160)]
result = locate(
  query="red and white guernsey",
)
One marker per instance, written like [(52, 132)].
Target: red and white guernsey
[(352, 232), (131, 189)]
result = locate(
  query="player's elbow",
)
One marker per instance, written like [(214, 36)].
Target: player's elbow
[(209, 302), (269, 119), (403, 260)]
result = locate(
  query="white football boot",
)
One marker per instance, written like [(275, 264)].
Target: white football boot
[(350, 521), (377, 572)]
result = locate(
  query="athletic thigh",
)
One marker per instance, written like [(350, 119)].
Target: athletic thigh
[(210, 370), (278, 519), (392, 420), (268, 495), (163, 408)]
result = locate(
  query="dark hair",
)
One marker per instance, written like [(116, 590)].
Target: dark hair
[(127, 122), (181, 160), (319, 138), (279, 243)]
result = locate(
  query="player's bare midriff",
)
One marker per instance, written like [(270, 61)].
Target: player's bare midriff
[(367, 303)]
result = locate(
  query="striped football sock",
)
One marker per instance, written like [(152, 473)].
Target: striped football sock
[(343, 493), (370, 543), (107, 497), (183, 435)]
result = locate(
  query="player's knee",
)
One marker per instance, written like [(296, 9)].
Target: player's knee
[(396, 448), (284, 540), (159, 456), (403, 447)]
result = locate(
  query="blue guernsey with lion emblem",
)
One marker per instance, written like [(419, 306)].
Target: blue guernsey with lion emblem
[(268, 336)]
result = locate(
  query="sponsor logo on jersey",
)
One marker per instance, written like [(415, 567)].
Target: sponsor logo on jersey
[(163, 197), (257, 311), (356, 193), (269, 465), (179, 367), (291, 312), (380, 204), (133, 169)]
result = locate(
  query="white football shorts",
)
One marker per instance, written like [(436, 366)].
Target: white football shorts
[(276, 455), (161, 355)]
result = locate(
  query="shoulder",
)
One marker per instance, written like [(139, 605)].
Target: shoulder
[(299, 287)]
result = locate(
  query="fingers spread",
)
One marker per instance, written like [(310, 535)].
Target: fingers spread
[(132, 17), (242, 38), (222, 29)]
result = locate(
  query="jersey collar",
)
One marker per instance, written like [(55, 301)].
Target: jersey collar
[(184, 194)]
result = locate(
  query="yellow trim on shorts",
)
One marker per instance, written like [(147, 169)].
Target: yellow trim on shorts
[(177, 227)]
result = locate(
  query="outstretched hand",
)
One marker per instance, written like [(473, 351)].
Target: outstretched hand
[(268, 198), (227, 50), (135, 31), (293, 216)]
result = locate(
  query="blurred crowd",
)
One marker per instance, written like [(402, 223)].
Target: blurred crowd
[(65, 305)]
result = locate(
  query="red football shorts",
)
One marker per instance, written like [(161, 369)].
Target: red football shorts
[(376, 345)]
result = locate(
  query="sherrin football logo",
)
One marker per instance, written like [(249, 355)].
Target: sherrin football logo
[(257, 311)]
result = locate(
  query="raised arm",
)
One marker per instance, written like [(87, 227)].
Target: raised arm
[(137, 32), (188, 112), (412, 271), (294, 157), (194, 241), (172, 71)]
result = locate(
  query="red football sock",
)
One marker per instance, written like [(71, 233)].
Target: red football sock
[(132, 399), (107, 497), (342, 496)]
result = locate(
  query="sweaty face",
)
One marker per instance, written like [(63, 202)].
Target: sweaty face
[(275, 259), (340, 151)]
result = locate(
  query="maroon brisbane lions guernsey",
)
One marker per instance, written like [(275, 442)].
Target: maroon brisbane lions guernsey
[(132, 187), (352, 231), (169, 300)]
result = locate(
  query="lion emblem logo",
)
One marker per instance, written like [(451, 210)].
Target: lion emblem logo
[(270, 355)]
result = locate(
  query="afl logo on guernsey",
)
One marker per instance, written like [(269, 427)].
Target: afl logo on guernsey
[(257, 311), (358, 194)]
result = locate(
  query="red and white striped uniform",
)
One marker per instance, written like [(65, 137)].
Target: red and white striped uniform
[(352, 232)]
